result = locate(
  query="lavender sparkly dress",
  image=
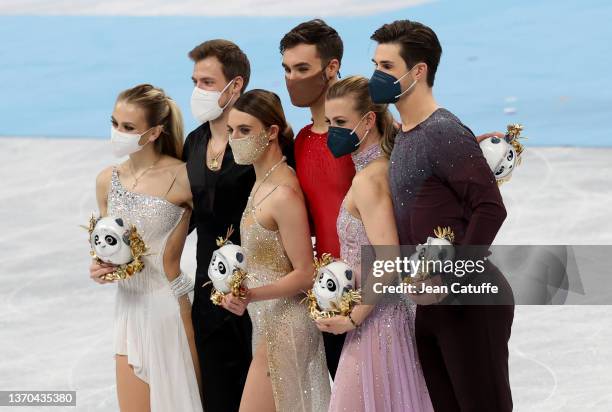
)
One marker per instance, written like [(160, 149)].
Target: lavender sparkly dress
[(379, 368)]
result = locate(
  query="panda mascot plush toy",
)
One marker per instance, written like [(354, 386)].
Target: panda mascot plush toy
[(503, 154), (112, 241), (333, 291), (432, 254), (227, 269)]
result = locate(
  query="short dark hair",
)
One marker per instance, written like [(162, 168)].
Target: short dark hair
[(326, 39), (233, 60), (418, 43)]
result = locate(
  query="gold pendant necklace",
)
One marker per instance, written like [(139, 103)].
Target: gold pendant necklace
[(213, 164), (136, 179)]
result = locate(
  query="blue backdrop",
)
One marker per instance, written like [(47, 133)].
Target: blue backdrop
[(546, 60)]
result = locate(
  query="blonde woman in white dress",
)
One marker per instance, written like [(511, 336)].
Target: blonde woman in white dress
[(156, 362)]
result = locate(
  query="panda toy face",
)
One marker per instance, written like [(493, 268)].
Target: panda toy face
[(330, 284), (437, 249), (500, 155), (224, 261), (110, 241), (434, 250)]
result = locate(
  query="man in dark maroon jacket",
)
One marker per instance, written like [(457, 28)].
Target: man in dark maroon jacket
[(439, 177)]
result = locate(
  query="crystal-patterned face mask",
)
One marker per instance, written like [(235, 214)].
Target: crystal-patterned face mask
[(248, 149)]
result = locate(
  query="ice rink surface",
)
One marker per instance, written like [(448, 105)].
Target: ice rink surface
[(56, 324), (66, 60)]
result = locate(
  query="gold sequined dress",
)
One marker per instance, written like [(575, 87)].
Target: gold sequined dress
[(296, 356)]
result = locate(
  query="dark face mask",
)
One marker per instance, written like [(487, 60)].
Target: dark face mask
[(342, 141), (305, 92), (385, 88)]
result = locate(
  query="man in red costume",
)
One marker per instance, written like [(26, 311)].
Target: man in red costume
[(312, 52)]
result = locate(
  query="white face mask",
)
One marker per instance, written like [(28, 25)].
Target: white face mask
[(205, 103), (124, 144)]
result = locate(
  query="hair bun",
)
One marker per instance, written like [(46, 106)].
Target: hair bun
[(288, 132)]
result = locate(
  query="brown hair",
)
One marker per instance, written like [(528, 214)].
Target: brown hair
[(233, 61), (418, 43), (267, 108), (356, 87), (325, 38), (159, 110)]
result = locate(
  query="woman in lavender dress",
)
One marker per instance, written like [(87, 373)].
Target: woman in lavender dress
[(379, 368)]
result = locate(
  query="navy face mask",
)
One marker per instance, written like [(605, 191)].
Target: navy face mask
[(342, 141), (385, 88)]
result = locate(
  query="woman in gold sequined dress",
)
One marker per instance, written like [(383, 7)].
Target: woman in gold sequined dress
[(288, 371)]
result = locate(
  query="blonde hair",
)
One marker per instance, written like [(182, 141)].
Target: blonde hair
[(356, 87), (160, 110)]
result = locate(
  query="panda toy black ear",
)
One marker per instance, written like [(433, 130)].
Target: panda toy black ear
[(119, 221), (239, 257), (349, 274), (126, 238)]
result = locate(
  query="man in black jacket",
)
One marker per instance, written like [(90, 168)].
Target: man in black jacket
[(220, 190)]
